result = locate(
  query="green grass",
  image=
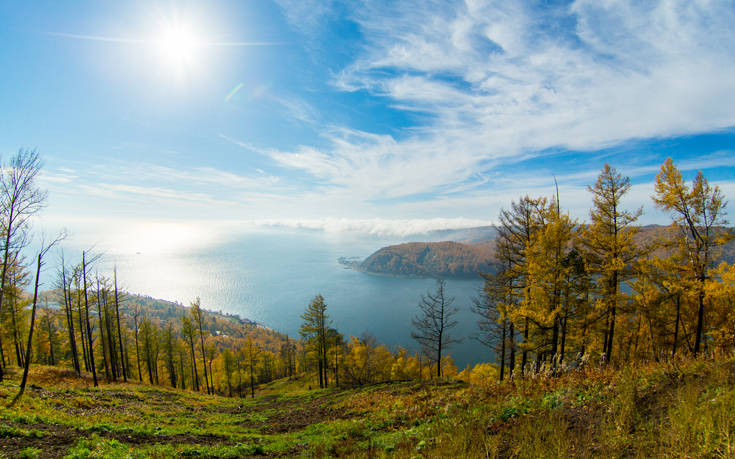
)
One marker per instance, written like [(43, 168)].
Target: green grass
[(683, 410)]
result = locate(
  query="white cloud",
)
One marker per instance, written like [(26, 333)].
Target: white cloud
[(150, 192), (375, 226), (503, 81), (65, 176), (498, 89), (308, 17)]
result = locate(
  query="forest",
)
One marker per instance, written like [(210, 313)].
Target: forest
[(566, 295)]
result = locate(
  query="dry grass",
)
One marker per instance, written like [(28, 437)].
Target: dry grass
[(652, 410)]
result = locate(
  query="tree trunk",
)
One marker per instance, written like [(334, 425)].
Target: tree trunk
[(211, 376), (110, 340), (524, 354), (89, 328), (554, 342), (30, 334), (181, 369), (16, 337), (2, 354), (252, 380), (119, 333), (321, 374), (50, 338), (512, 363), (676, 327), (3, 274), (239, 377), (70, 320), (336, 365), (563, 337), (137, 347), (502, 352), (82, 332), (102, 335), (613, 311), (204, 358), (700, 317), (195, 375)]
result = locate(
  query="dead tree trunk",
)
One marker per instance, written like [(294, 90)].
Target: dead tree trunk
[(119, 332), (89, 327)]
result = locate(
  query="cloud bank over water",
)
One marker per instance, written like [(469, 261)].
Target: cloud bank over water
[(127, 236), (375, 226)]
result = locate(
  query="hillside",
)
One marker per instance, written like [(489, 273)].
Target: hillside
[(448, 259), (467, 252), (681, 409), (218, 324)]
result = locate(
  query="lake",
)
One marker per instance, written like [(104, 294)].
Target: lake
[(271, 275)]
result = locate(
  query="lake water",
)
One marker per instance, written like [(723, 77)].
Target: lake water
[(270, 277)]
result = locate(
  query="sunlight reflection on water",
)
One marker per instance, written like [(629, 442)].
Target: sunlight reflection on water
[(270, 276)]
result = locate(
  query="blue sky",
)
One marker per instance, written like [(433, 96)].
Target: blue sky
[(361, 115)]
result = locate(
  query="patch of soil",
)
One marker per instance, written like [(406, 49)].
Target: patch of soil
[(291, 421), (59, 439), (54, 444), (295, 414)]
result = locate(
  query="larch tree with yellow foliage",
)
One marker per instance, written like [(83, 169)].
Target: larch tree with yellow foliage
[(515, 233), (721, 295), (314, 331), (545, 301), (698, 214), (609, 246)]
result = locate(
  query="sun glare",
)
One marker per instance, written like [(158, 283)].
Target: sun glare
[(179, 47)]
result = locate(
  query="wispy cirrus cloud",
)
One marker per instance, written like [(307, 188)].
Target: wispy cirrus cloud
[(169, 191), (493, 100), (506, 82)]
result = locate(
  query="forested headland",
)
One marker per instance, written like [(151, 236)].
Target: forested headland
[(598, 316)]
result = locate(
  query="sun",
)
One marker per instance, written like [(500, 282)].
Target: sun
[(179, 47)]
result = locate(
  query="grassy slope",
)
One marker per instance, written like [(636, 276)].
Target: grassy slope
[(683, 410)]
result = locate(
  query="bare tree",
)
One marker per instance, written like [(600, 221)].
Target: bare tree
[(105, 351), (66, 289), (39, 263), (119, 332), (433, 324), (20, 199), (136, 314), (51, 332), (188, 330), (251, 352), (493, 323), (90, 346)]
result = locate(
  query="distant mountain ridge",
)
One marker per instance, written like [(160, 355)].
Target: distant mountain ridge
[(462, 253)]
